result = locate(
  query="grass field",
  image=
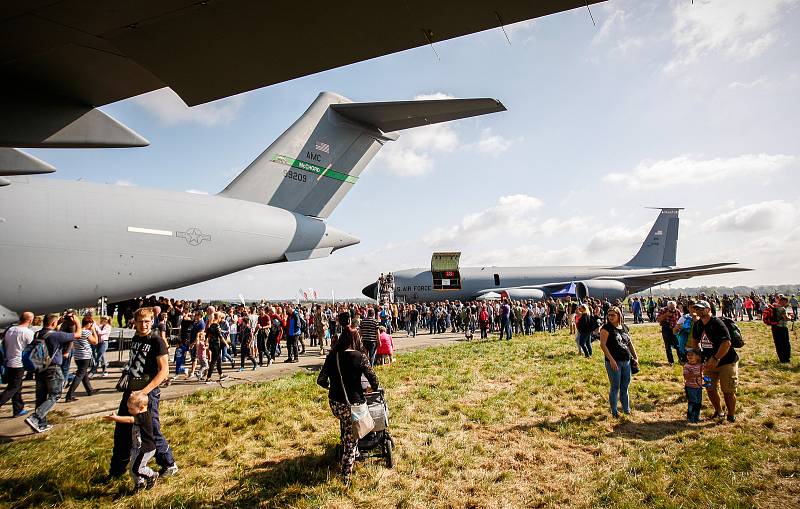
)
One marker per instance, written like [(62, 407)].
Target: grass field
[(491, 424)]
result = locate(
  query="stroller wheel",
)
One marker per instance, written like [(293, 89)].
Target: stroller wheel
[(388, 450)]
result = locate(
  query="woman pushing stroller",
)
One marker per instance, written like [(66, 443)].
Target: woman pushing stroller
[(342, 371)]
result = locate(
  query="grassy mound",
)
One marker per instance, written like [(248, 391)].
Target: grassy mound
[(482, 424)]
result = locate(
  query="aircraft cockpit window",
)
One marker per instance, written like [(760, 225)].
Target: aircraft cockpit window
[(497, 279)]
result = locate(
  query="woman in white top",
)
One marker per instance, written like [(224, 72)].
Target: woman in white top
[(82, 353)]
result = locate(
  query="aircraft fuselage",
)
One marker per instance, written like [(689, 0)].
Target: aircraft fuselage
[(67, 243)]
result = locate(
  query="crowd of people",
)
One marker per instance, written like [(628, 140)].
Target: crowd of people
[(205, 336)]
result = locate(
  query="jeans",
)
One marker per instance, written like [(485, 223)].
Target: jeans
[(81, 375), (505, 327), (694, 397), (670, 342), (226, 356), (100, 356), (551, 323), (291, 347), (123, 440), (619, 380), (66, 360), (13, 391), (372, 348), (585, 342), (49, 384)]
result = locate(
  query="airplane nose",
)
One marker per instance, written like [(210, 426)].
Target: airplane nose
[(371, 291)]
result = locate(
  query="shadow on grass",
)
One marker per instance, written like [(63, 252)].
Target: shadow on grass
[(654, 430), (282, 483), (42, 490)]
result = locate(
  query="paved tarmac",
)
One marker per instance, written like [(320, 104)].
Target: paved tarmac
[(107, 399)]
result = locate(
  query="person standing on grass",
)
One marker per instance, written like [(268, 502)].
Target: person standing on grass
[(693, 385), (50, 381), (148, 364), (780, 329), (721, 363), (341, 375), (16, 339), (587, 323), (668, 318), (616, 343)]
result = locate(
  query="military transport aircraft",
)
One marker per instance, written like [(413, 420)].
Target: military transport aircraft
[(653, 265), (61, 60), (57, 253)]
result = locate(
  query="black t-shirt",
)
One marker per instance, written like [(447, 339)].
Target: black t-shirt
[(214, 336), (710, 336), (145, 351), (617, 343), (353, 364), (143, 426)]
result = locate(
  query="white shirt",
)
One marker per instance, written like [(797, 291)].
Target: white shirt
[(17, 338)]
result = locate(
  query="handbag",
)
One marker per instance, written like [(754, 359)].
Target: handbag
[(634, 361), (362, 419)]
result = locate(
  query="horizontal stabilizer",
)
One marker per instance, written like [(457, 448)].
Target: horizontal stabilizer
[(639, 281), (394, 116), (17, 162)]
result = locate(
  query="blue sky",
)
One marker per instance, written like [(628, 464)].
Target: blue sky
[(661, 104)]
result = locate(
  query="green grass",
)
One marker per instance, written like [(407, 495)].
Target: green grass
[(482, 424)]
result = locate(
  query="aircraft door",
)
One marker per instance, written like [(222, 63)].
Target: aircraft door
[(445, 271)]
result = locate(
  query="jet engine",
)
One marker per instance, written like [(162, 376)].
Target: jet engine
[(522, 294), (601, 288)]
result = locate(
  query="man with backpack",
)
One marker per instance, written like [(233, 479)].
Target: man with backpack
[(711, 335), (16, 340), (44, 356), (776, 317)]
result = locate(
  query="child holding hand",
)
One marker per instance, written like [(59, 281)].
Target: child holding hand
[(143, 445)]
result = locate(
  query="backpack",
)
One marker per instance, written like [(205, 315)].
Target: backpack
[(737, 341), (768, 316), (36, 357)]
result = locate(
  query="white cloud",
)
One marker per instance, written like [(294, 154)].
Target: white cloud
[(766, 215), (196, 191), (688, 169), (615, 237), (125, 183), (412, 155), (760, 82), (511, 212), (491, 143), (170, 108), (738, 29)]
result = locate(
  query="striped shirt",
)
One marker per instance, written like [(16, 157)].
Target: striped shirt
[(693, 375), (369, 329), (81, 349)]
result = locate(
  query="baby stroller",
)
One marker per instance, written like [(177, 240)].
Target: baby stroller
[(378, 443)]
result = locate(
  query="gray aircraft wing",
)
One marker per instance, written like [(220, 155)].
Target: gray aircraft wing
[(59, 60)]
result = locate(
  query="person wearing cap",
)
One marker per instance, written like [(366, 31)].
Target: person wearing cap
[(721, 363), (780, 329)]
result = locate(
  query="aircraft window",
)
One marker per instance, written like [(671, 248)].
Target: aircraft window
[(497, 279)]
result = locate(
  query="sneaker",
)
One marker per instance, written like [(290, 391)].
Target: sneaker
[(223, 378), (150, 482), (169, 471), (254, 368), (287, 360), (731, 418), (71, 399), (269, 362), (33, 422), (715, 416), (242, 369), (21, 413), (105, 374)]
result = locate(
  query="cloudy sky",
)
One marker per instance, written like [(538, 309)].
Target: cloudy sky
[(662, 103)]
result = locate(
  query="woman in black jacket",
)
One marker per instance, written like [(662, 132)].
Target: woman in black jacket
[(354, 362)]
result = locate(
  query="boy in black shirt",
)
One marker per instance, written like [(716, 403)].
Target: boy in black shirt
[(143, 446)]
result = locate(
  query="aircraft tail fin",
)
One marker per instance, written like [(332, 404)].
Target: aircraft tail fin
[(314, 163), (660, 247)]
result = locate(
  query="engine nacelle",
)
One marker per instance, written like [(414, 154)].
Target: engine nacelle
[(522, 294), (601, 289)]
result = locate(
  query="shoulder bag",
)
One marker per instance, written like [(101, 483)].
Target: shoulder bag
[(362, 419), (634, 360)]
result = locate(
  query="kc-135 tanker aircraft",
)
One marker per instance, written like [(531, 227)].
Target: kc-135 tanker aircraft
[(653, 265)]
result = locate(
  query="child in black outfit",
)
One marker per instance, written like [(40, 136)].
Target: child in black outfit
[(144, 445)]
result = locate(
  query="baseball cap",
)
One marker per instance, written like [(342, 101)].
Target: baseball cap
[(703, 304)]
